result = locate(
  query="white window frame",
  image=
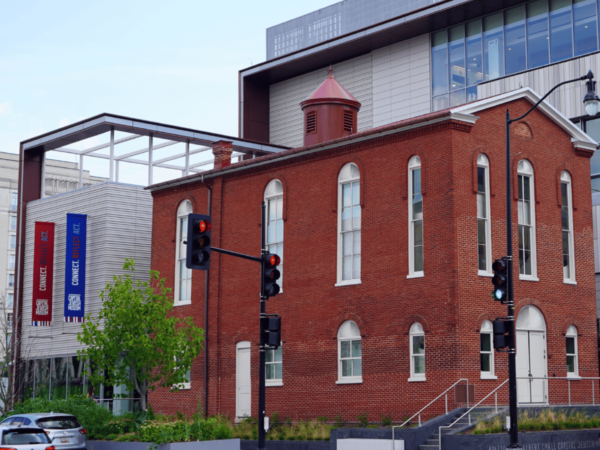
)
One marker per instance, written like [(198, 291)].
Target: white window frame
[(416, 329), (10, 302), (274, 381), (414, 164), (274, 192), (184, 208), (565, 178), (482, 162), (572, 333), (13, 221), (348, 175), (487, 329), (11, 285), (12, 242), (352, 338), (11, 261), (525, 169)]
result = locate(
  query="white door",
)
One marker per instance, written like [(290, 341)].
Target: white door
[(523, 391), (243, 399), (531, 363)]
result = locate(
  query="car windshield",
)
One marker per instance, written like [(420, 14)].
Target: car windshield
[(16, 437), (58, 423)]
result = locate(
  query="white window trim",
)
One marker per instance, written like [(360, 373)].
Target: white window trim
[(353, 379), (267, 198), (340, 246), (491, 374), (566, 178), (533, 276), (416, 376), (571, 334), (411, 238), (279, 381), (488, 221), (178, 238)]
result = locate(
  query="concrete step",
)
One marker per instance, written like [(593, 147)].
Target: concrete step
[(432, 442), (429, 447)]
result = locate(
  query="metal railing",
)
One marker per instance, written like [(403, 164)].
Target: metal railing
[(569, 380), (445, 393), (495, 391)]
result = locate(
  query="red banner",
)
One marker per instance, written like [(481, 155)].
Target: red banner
[(43, 274)]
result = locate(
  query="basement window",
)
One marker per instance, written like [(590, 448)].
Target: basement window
[(311, 122)]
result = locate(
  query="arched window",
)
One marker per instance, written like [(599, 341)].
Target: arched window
[(349, 353), (527, 257), (274, 237), (349, 248), (484, 229), (572, 359), (183, 275), (417, 353), (415, 219), (486, 350), (568, 245)]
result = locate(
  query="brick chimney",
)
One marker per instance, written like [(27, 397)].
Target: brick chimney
[(222, 151)]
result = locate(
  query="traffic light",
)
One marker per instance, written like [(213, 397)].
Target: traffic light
[(271, 275), (271, 331), (501, 334), (500, 280), (198, 242)]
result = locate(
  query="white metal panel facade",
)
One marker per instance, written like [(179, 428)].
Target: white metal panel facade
[(119, 226)]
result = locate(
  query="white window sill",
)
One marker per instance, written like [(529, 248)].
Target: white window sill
[(572, 376), (187, 302), (348, 283), (184, 386), (482, 273), (416, 275), (528, 278), (416, 379), (350, 380), (269, 383), (570, 282), (488, 376)]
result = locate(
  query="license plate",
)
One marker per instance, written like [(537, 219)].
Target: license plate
[(65, 440)]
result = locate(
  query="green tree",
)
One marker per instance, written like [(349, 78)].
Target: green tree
[(135, 341)]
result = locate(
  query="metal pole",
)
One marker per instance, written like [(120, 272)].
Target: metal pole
[(150, 154), (496, 401), (80, 171), (187, 158), (111, 176), (569, 381), (261, 375), (512, 366), (593, 393), (446, 396)]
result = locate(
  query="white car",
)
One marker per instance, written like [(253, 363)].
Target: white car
[(25, 439), (63, 430)]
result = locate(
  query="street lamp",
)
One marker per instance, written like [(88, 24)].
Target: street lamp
[(592, 103)]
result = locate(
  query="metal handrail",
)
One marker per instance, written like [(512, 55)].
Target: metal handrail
[(569, 379), (428, 405), (471, 409)]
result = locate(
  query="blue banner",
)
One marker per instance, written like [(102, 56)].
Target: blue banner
[(75, 268)]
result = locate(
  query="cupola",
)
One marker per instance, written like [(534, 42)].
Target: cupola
[(329, 112)]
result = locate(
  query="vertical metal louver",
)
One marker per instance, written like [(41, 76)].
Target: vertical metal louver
[(348, 121), (311, 122)]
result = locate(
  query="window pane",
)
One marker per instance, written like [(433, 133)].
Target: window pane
[(347, 268), (347, 368), (280, 208), (418, 259), (537, 33), (474, 59), (356, 247), (419, 363), (345, 346), (526, 213), (481, 206), (564, 213), (571, 345), (347, 195), (561, 32), (271, 232), (418, 345), (273, 249), (269, 356), (346, 219), (272, 210), (440, 102), (418, 232), (357, 367), (481, 257), (416, 182), (356, 217), (279, 354), (566, 267), (439, 62), (485, 362), (279, 236), (457, 58), (493, 55), (571, 364), (586, 29), (347, 242), (471, 94), (278, 371), (514, 32), (458, 98), (526, 188), (417, 207), (528, 262), (280, 252), (565, 242), (564, 194), (356, 353), (356, 267), (486, 342), (356, 193), (481, 179)]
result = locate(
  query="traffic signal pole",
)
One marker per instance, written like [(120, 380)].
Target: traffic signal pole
[(263, 301)]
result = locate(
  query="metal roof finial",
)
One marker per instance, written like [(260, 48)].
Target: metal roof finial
[(330, 71)]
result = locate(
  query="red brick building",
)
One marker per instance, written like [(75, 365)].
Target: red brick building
[(387, 238)]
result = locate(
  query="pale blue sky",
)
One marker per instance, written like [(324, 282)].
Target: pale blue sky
[(174, 61)]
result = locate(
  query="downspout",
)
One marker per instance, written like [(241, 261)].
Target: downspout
[(206, 317)]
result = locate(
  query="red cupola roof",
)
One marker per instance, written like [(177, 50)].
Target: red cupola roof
[(330, 91)]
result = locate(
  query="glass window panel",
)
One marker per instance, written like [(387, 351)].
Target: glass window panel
[(273, 249), (269, 356), (356, 193), (346, 219), (571, 345), (514, 34), (521, 261), (571, 364), (537, 33), (418, 232), (564, 189), (418, 345), (527, 238), (439, 62), (481, 179), (279, 354), (280, 251), (418, 259), (527, 262), (357, 367), (272, 210), (347, 195), (561, 30), (417, 207), (440, 102), (474, 56), (566, 267), (271, 230), (279, 236), (347, 268), (486, 342), (481, 257), (481, 232), (347, 368), (356, 268), (278, 371), (280, 208), (485, 362), (458, 98), (527, 213), (457, 59), (419, 363), (564, 213), (586, 28), (345, 345), (347, 243), (481, 206), (493, 45), (270, 371), (416, 186), (356, 353), (356, 247), (356, 217), (526, 188), (471, 94), (595, 182), (565, 242)]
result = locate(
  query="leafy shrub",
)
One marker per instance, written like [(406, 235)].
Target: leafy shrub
[(362, 420), (547, 420), (339, 422), (386, 420), (322, 419)]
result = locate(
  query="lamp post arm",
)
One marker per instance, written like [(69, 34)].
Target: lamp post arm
[(588, 76)]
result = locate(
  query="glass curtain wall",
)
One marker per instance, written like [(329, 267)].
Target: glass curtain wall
[(514, 40)]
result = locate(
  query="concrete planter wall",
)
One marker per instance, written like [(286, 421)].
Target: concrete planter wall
[(288, 445), (225, 444), (541, 440)]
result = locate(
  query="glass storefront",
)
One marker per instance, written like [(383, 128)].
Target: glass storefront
[(524, 37)]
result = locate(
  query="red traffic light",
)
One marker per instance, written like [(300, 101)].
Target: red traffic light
[(500, 265), (204, 225), (274, 260)]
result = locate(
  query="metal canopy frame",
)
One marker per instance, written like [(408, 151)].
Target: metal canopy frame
[(195, 142)]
